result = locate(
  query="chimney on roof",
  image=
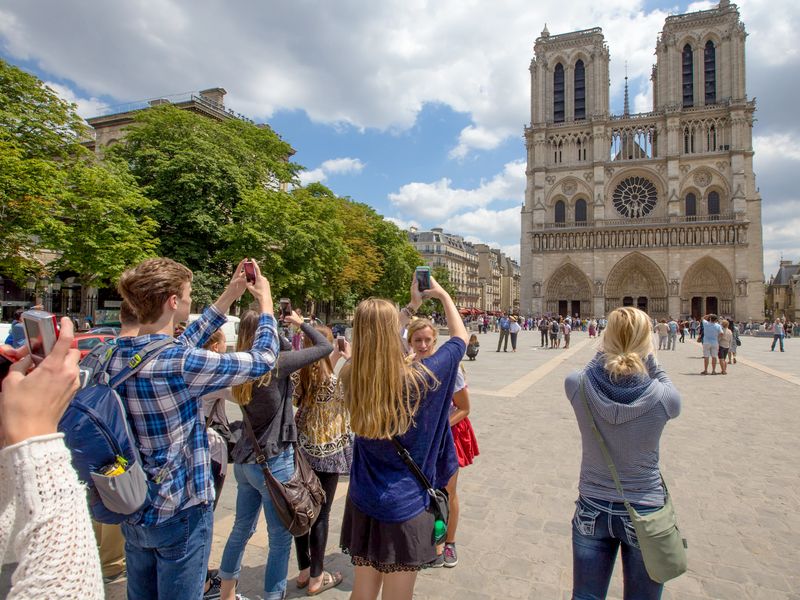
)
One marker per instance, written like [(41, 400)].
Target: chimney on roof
[(437, 230), (215, 95)]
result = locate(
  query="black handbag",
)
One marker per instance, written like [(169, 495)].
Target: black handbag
[(298, 501), (440, 500)]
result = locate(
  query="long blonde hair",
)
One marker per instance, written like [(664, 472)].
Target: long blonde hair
[(627, 341), (312, 377), (248, 324), (382, 391)]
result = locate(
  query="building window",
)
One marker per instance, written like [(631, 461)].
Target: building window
[(691, 206), (561, 212), (558, 94), (580, 91), (710, 71), (713, 204), (688, 76), (580, 211), (688, 140)]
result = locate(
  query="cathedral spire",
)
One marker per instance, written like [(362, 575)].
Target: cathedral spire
[(626, 108)]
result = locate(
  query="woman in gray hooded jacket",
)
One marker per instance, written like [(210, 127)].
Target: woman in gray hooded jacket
[(631, 399)]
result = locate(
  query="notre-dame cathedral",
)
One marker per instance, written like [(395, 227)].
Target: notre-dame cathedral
[(658, 210)]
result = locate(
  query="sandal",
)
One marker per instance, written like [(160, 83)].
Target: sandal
[(329, 580)]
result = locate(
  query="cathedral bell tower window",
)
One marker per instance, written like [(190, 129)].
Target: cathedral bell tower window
[(558, 94), (688, 76), (580, 91), (580, 211), (713, 205), (710, 72)]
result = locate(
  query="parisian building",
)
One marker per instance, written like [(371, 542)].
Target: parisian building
[(783, 292), (440, 249), (658, 210)]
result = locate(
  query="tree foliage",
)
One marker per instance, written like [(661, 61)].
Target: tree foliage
[(56, 199)]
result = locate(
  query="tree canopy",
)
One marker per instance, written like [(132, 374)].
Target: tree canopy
[(55, 196)]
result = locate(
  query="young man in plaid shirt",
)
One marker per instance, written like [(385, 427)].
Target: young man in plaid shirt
[(167, 544)]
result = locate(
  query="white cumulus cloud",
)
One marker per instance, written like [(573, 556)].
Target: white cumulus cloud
[(86, 107), (334, 166), (439, 200)]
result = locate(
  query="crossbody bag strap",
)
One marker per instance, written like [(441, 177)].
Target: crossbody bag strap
[(138, 360), (261, 459), (603, 448), (412, 466)]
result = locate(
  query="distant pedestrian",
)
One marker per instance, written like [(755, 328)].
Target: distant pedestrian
[(725, 341), (513, 330), (543, 331), (735, 343), (709, 335), (672, 336), (567, 331), (662, 329), (473, 347), (505, 325), (554, 329), (777, 334)]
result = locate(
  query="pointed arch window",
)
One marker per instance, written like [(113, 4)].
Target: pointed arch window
[(558, 94), (580, 211), (691, 206), (580, 91), (713, 205), (688, 76), (561, 212), (710, 72)]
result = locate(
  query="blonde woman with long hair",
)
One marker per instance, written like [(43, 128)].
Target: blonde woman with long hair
[(268, 404), (631, 399), (422, 338), (388, 525)]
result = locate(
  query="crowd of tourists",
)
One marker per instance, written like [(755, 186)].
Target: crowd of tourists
[(389, 408)]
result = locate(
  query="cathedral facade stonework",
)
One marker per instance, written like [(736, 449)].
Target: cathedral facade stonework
[(657, 210)]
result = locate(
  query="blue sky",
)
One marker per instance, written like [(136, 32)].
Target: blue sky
[(416, 108)]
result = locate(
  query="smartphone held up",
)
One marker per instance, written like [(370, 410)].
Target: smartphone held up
[(423, 275), (249, 271)]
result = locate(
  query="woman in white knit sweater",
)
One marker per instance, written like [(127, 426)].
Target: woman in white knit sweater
[(42, 504)]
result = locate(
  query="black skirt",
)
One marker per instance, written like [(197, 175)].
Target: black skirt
[(388, 547)]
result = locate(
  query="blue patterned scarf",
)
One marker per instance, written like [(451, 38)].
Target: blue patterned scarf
[(623, 390)]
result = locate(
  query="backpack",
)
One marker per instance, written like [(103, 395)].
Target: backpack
[(98, 435), (554, 327)]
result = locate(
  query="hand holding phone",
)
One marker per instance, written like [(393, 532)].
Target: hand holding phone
[(249, 271), (340, 343), (286, 307)]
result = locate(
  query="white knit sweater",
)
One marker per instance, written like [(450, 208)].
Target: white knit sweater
[(44, 523)]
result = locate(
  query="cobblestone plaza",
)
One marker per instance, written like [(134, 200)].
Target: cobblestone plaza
[(730, 460)]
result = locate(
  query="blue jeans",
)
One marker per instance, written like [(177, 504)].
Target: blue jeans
[(169, 561), (599, 527), (251, 495), (775, 339)]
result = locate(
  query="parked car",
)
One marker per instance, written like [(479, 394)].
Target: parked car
[(230, 329), (105, 330), (86, 341)]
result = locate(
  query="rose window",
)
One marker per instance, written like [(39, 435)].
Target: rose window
[(635, 197)]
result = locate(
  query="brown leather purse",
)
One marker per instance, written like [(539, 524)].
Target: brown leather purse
[(297, 501)]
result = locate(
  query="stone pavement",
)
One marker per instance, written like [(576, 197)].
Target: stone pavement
[(731, 461)]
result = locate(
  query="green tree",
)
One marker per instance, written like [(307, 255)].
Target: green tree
[(56, 200)]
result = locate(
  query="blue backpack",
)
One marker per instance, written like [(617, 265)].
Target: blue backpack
[(98, 435)]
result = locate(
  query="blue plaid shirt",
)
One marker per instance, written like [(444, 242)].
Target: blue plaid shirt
[(166, 414)]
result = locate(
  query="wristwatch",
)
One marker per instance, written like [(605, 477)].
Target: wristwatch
[(409, 310)]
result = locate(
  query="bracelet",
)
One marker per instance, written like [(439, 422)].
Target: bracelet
[(409, 311)]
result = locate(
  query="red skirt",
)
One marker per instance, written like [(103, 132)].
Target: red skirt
[(466, 442)]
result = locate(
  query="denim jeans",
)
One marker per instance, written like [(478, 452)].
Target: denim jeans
[(775, 340), (599, 527), (169, 560), (251, 495)]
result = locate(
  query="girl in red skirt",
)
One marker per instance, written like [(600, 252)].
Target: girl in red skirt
[(422, 337)]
